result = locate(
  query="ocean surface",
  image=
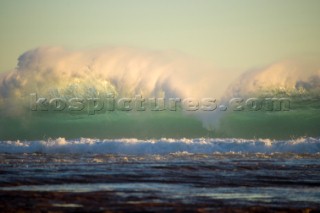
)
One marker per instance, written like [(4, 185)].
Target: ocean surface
[(124, 129), (164, 175)]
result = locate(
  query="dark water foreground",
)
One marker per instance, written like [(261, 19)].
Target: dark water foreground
[(179, 182)]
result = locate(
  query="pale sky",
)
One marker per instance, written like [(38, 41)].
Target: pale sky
[(234, 34)]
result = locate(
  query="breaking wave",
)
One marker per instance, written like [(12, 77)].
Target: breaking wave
[(56, 72), (163, 146)]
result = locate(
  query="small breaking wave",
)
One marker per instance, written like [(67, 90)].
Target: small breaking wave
[(163, 146)]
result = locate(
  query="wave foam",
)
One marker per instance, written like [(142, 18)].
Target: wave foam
[(162, 146)]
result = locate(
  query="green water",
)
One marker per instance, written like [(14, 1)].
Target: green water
[(141, 125)]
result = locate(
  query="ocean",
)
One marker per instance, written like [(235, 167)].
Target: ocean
[(121, 129), (164, 175)]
